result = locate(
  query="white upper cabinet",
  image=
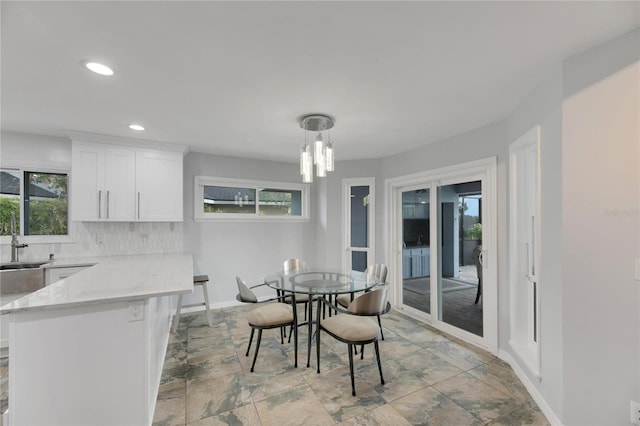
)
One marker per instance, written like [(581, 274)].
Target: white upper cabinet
[(87, 182), (118, 183), (159, 186)]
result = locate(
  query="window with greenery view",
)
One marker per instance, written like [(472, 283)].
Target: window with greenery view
[(38, 200), (229, 199)]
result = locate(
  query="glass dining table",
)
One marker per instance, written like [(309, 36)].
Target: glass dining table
[(319, 283)]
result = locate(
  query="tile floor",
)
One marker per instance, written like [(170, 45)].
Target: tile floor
[(430, 379), (458, 306)]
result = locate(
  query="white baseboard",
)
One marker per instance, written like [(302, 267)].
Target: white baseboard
[(533, 391)]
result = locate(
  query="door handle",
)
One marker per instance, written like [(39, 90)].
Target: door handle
[(100, 204), (108, 204)]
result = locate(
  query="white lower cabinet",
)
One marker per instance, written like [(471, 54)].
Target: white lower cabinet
[(53, 275), (416, 262), (406, 264)]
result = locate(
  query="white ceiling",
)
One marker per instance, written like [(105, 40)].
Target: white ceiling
[(232, 78)]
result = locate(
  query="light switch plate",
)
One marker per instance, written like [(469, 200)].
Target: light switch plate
[(637, 274)]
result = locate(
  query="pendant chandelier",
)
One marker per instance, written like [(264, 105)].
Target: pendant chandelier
[(319, 154)]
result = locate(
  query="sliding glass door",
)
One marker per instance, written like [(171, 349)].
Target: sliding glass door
[(416, 249), (459, 278), (443, 225)]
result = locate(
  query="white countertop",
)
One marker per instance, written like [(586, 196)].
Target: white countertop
[(114, 278)]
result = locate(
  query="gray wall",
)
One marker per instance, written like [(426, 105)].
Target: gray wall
[(248, 249), (544, 107), (600, 228)]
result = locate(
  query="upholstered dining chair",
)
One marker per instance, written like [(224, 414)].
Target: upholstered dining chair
[(353, 326), (379, 271), (477, 260), (270, 315), (296, 265)]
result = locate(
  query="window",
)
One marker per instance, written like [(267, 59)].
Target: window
[(235, 199), (38, 201)]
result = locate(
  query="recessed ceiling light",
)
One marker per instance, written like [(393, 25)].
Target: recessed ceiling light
[(99, 68), (136, 127)]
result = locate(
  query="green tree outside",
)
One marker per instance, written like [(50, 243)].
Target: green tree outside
[(8, 205)]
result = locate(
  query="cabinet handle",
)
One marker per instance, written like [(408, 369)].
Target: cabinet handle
[(107, 204), (138, 205), (100, 204)]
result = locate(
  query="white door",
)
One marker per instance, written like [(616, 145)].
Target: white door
[(359, 207)]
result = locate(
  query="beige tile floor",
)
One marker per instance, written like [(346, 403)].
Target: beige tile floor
[(429, 379)]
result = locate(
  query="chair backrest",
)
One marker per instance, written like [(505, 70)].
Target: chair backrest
[(478, 262), (294, 265), (244, 292), (373, 302), (379, 271)]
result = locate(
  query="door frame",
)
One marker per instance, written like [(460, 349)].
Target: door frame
[(347, 183), (393, 229)]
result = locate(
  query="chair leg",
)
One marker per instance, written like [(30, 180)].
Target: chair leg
[(295, 346), (250, 340), (255, 356), (375, 344), (290, 333), (362, 352), (282, 335), (353, 383), (318, 350), (206, 303), (380, 325), (479, 293)]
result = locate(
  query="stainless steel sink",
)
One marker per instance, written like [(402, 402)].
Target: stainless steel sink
[(23, 265), (21, 277)]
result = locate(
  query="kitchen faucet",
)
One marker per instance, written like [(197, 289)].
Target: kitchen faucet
[(15, 245)]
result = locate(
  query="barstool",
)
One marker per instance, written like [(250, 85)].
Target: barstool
[(200, 280)]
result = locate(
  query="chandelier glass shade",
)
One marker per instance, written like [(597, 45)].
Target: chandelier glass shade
[(319, 153)]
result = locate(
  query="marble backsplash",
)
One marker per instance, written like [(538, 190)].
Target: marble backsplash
[(107, 239)]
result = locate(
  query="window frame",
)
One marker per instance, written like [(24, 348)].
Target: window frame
[(201, 216), (39, 239)]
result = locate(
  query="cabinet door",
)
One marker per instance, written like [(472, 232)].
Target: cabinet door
[(87, 181), (426, 260), (120, 184), (159, 186), (416, 263), (53, 275), (406, 264)]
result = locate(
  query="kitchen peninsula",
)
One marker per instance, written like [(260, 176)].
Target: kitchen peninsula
[(89, 348)]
